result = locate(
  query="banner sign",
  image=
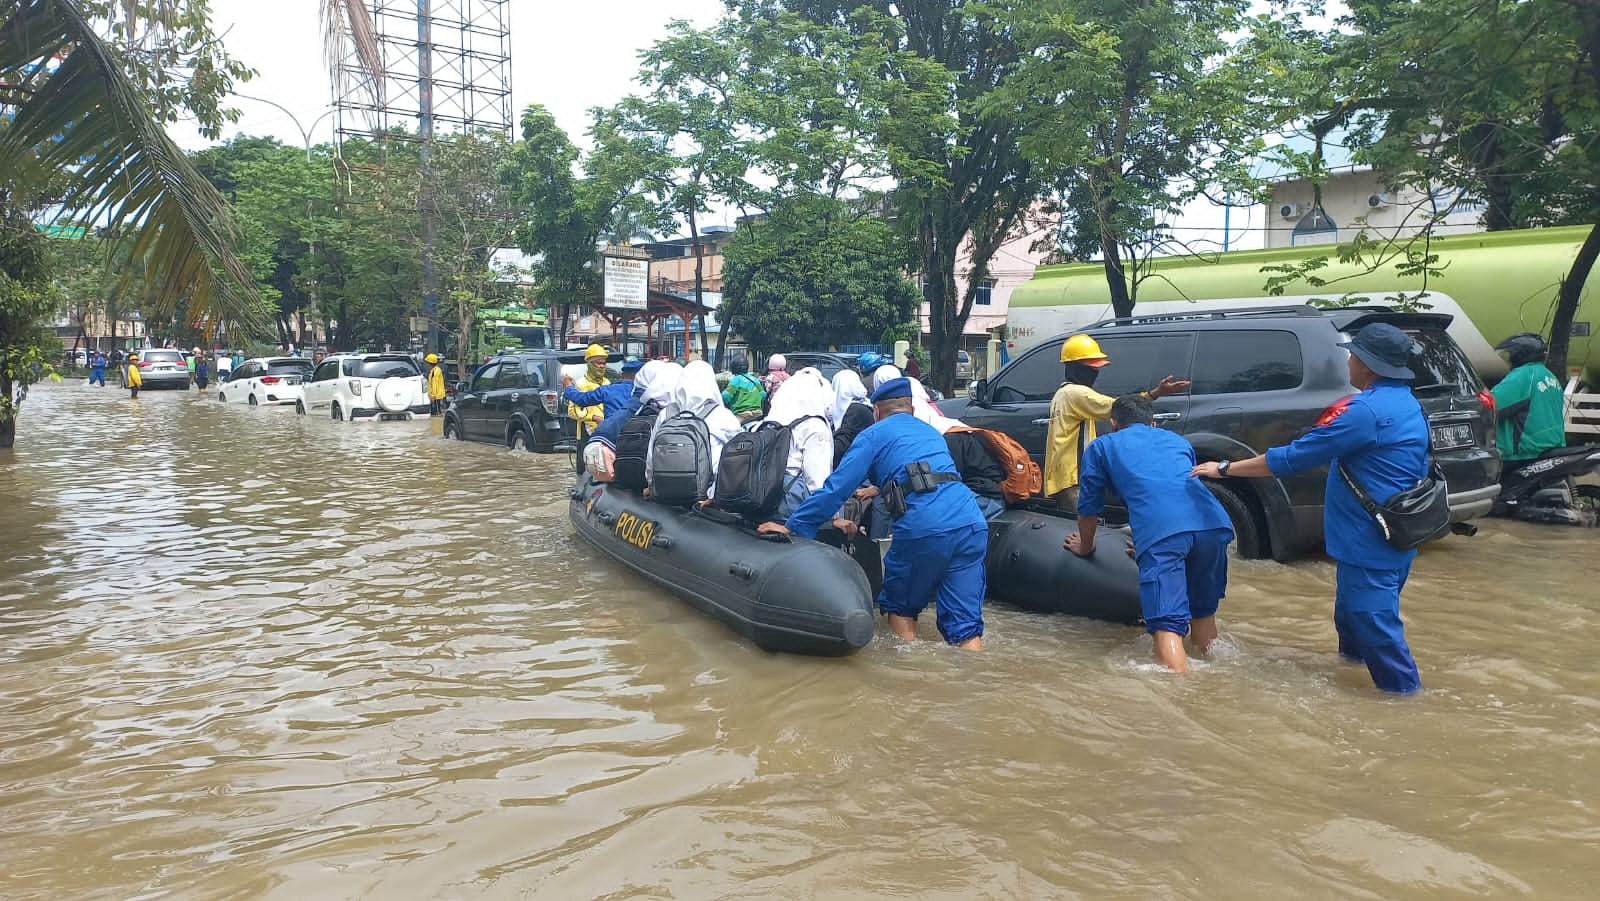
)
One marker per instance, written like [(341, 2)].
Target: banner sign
[(627, 283)]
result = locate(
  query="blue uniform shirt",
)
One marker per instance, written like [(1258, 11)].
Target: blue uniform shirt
[(1150, 469), (1382, 438), (612, 397), (880, 453), (610, 427)]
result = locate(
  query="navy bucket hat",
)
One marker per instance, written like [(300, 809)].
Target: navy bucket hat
[(1384, 348)]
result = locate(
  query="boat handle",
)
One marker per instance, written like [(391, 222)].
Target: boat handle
[(742, 570), (662, 541), (606, 516)]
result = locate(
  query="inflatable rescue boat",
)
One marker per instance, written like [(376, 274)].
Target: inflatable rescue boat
[(810, 597), (793, 595)]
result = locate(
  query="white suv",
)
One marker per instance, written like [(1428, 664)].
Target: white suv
[(267, 380), (366, 386)]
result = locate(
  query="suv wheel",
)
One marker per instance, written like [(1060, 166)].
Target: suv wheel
[(519, 441), (452, 431), (336, 413), (1246, 534)]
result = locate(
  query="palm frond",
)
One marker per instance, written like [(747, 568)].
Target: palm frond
[(346, 23), (85, 126)]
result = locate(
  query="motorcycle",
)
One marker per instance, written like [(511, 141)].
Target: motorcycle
[(1545, 490)]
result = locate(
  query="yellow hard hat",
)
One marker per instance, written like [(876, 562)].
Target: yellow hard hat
[(432, 358), (1083, 349), (133, 356), (595, 350)]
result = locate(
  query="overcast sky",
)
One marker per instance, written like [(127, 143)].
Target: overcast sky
[(568, 56)]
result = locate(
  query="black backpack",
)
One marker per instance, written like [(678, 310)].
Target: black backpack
[(633, 446), (680, 461), (751, 474)]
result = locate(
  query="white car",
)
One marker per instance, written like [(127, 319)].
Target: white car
[(264, 380), (366, 386)]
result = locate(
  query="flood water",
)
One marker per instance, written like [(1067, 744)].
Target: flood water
[(250, 654)]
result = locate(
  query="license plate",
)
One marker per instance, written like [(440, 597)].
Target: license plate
[(1448, 437)]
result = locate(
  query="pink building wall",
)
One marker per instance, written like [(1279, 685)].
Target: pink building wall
[(1012, 265)]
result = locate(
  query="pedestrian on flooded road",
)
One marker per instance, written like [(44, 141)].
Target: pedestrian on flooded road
[(202, 372), (97, 369), (940, 535), (1180, 531), (436, 390), (1074, 410), (1381, 438), (131, 377)]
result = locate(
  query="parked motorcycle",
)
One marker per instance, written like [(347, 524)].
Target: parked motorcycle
[(1545, 490)]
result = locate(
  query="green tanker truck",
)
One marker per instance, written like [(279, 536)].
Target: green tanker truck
[(1495, 284)]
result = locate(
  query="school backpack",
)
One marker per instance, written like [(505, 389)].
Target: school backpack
[(633, 446), (750, 475), (1023, 478), (680, 461)]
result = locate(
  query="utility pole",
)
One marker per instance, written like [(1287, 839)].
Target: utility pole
[(426, 199)]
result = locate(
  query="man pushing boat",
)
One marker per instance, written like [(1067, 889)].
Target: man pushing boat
[(940, 535)]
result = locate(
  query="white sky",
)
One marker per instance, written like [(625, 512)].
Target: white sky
[(568, 56)]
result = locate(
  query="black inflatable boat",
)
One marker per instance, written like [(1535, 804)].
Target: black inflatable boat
[(799, 596), (808, 597)]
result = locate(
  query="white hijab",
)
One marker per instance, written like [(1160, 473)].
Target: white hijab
[(806, 393), (883, 374), (847, 390), (697, 392), (656, 381)]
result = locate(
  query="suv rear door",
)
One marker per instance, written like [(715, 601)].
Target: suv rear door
[(1244, 387), (510, 385)]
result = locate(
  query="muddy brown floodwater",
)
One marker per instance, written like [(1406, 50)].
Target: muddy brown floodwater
[(246, 654)]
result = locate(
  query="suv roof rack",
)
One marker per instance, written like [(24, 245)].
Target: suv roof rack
[(1233, 313)]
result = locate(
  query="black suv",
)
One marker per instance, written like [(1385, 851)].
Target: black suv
[(829, 364), (515, 400), (1261, 377)]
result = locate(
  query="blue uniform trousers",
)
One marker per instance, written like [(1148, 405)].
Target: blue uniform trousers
[(946, 564), (1366, 613), (1183, 577), (97, 376)]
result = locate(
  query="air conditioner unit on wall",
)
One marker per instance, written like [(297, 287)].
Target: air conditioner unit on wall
[(1379, 201), (1289, 211)]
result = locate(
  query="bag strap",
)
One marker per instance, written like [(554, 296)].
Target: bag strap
[(1365, 499)]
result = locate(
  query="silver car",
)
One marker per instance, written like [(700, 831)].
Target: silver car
[(163, 367), (963, 368)]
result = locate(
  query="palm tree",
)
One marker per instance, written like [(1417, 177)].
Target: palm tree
[(83, 136)]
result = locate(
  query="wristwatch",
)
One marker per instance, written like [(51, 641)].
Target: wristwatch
[(1222, 467)]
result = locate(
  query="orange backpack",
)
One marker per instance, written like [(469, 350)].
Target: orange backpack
[(1023, 478)]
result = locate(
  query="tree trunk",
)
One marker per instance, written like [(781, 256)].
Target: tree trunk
[(8, 426), (1116, 278), (944, 319), (1567, 303), (699, 286)]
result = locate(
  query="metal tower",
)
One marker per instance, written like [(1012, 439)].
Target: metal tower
[(446, 66)]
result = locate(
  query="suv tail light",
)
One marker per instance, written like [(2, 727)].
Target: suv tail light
[(144, 364), (355, 387), (1487, 399), (550, 398), (1335, 411), (270, 380)]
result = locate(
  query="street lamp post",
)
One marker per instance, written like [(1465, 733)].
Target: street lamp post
[(305, 136)]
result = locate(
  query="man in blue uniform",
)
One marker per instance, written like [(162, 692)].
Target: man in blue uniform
[(1382, 439), (939, 541), (1180, 531)]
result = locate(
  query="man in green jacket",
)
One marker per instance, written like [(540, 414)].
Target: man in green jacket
[(1528, 403), (744, 395)]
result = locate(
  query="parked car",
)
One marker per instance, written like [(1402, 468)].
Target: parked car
[(1261, 377), (366, 386), (829, 364), (963, 368), (163, 367), (515, 400), (265, 380)]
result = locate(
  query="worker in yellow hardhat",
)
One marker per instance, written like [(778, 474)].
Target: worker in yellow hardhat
[(132, 379), (1074, 411), (588, 418), (435, 385)]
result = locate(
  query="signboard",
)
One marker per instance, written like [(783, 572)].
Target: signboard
[(627, 283), (419, 323)]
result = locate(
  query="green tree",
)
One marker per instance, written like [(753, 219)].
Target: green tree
[(27, 297), (812, 273), (1130, 110), (86, 137)]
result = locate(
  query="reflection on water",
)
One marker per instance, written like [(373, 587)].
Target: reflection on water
[(249, 654)]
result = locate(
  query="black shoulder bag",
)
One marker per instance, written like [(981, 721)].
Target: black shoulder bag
[(1413, 517)]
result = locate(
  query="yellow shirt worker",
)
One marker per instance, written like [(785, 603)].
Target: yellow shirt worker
[(1074, 411), (596, 375)]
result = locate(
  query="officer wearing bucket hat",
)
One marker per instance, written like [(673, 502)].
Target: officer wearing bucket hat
[(1381, 437)]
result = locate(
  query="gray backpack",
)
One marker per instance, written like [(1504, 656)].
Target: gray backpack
[(680, 461)]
